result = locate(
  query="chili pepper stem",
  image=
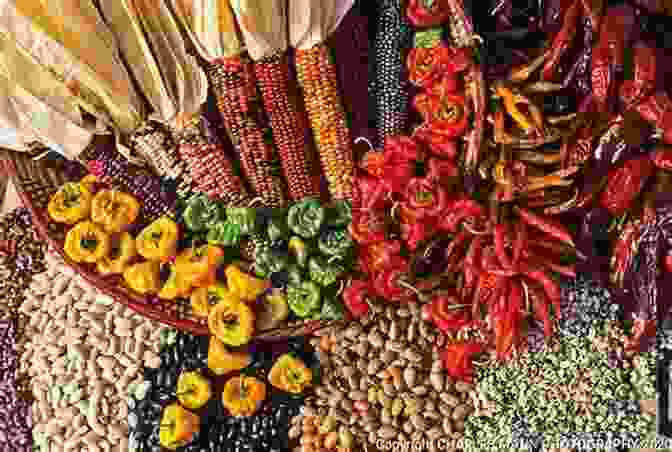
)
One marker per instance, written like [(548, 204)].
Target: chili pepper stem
[(406, 285), (256, 201), (366, 140)]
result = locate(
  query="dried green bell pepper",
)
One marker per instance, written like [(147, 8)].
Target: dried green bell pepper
[(332, 309), (335, 243), (225, 234), (244, 217), (294, 275), (306, 217), (201, 212), (324, 273), (339, 214), (300, 250), (277, 229), (304, 300)]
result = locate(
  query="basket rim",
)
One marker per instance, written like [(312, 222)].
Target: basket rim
[(8, 167)]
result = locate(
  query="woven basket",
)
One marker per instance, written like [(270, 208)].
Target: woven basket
[(37, 180)]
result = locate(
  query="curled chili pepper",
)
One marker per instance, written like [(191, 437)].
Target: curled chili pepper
[(373, 162), (354, 297), (368, 226), (390, 285), (625, 183), (372, 192), (459, 210), (402, 149), (416, 233), (382, 255), (428, 66), (441, 170), (428, 13), (448, 315), (662, 158), (446, 117)]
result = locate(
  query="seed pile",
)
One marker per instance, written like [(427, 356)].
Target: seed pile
[(383, 380), (265, 431), (14, 411), (569, 387), (81, 353)]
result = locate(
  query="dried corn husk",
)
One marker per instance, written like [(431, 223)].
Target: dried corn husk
[(211, 26), (263, 24), (70, 40), (311, 22)]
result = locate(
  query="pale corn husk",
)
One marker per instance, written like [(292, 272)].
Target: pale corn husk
[(211, 26), (26, 119), (263, 24), (311, 22), (150, 40), (71, 41)]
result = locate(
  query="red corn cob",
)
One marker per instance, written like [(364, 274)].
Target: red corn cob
[(235, 87), (288, 126), (317, 77)]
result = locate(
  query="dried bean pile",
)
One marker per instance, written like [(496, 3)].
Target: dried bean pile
[(383, 380), (14, 412), (82, 353)]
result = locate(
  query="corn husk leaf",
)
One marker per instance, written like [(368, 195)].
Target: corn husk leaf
[(29, 119), (263, 24), (211, 26), (311, 22), (150, 41), (70, 40)]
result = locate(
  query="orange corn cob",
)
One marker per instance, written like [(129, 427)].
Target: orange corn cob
[(317, 77), (234, 85), (211, 169), (288, 126)]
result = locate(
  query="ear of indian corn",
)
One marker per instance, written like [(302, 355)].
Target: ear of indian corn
[(393, 35), (157, 146), (318, 80), (288, 126), (235, 88), (211, 169)]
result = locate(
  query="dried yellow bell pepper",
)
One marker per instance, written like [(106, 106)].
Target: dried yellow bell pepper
[(144, 278), (243, 396), (87, 242), (204, 299), (70, 204), (89, 182), (200, 264), (290, 374), (176, 286), (158, 241), (114, 210), (232, 321), (178, 426), (122, 252), (244, 286)]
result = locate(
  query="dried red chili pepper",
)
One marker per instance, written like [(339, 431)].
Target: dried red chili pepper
[(354, 298), (668, 262), (662, 158), (372, 193), (441, 170), (446, 118), (457, 211), (550, 227), (540, 307), (457, 359), (427, 65), (397, 175), (428, 13), (643, 80), (367, 226), (416, 233), (447, 314), (390, 284), (424, 199), (625, 183), (373, 162), (562, 40), (402, 149), (382, 255)]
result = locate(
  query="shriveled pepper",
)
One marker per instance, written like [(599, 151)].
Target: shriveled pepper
[(300, 250), (158, 241), (232, 321), (457, 359), (199, 264), (367, 227), (324, 273), (90, 182), (457, 211), (448, 315), (417, 232), (243, 396), (294, 275), (122, 252), (304, 300), (441, 170), (87, 242), (178, 427), (114, 210), (224, 234), (427, 65), (268, 261), (244, 217), (70, 204), (335, 243), (306, 217), (245, 286), (447, 115), (428, 13), (202, 213), (277, 229), (144, 278), (354, 297), (177, 284), (373, 163), (401, 149), (382, 254), (625, 183), (290, 374), (424, 199), (389, 284), (204, 299)]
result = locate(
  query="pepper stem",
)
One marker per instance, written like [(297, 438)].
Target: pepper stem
[(366, 140), (420, 295), (341, 288)]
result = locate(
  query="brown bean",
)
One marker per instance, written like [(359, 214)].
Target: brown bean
[(462, 386), (409, 376), (418, 422), (460, 412), (388, 356), (330, 440), (387, 432), (357, 395), (449, 399), (420, 390), (376, 339), (437, 381), (374, 366)]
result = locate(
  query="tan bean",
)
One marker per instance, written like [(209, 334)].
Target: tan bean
[(330, 440)]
